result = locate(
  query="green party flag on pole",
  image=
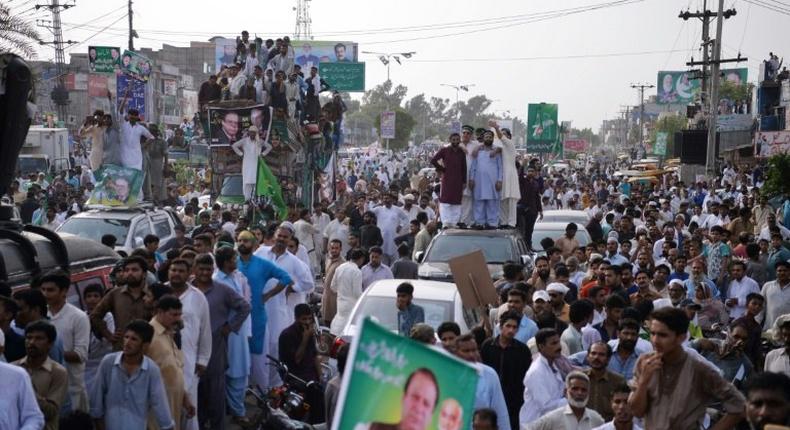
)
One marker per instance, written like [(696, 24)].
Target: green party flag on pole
[(268, 186)]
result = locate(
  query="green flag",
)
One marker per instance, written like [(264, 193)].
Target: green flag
[(267, 185)]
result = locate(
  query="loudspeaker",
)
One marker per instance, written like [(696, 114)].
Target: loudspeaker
[(691, 146)]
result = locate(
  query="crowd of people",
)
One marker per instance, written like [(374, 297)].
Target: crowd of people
[(674, 316)]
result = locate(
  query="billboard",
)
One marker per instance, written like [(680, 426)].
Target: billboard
[(344, 76), (660, 148), (104, 59), (309, 53), (136, 65), (394, 382), (136, 96), (768, 143), (677, 87), (542, 128), (736, 76), (574, 145), (228, 125), (388, 125)]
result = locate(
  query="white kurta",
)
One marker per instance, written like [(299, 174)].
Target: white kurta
[(347, 283), (279, 309), (388, 220), (249, 150), (510, 187), (195, 340), (74, 330), (305, 232), (131, 149)]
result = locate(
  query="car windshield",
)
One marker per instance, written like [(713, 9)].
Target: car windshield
[(95, 228), (31, 165), (496, 249), (232, 186), (384, 312), (582, 236)]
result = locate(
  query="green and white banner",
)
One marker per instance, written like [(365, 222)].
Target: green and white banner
[(394, 382), (117, 186), (543, 129), (677, 87)]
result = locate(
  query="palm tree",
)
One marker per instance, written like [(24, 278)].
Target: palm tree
[(16, 35)]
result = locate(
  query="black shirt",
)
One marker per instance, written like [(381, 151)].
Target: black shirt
[(511, 365), (289, 341)]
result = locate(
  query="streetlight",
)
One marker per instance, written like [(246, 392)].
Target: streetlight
[(385, 57), (458, 88)]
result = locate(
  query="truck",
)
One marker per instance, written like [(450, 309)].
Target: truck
[(45, 150)]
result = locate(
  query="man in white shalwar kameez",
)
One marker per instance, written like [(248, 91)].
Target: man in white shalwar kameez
[(469, 144), (388, 220), (278, 309), (250, 148), (305, 231), (511, 193)]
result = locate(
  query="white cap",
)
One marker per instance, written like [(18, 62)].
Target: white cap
[(557, 287), (540, 295)]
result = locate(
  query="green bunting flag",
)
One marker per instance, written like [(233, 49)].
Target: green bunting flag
[(268, 186)]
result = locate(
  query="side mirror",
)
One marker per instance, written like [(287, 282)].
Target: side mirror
[(418, 256), (138, 241)]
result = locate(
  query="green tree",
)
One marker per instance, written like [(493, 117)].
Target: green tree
[(404, 124), (732, 91), (17, 35), (777, 181)]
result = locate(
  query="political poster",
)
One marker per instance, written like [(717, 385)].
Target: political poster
[(574, 146), (116, 186), (677, 87), (228, 125), (391, 381), (135, 99), (388, 125), (542, 128), (224, 52), (345, 76), (136, 65), (768, 143), (736, 76), (311, 53), (660, 148), (104, 59)]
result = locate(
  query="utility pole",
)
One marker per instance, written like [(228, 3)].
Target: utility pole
[(303, 29), (59, 95), (641, 88), (715, 63), (626, 114), (132, 34), (458, 88)]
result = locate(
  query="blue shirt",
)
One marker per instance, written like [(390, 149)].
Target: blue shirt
[(124, 401), (624, 368), (413, 314), (678, 275), (689, 284), (489, 394), (258, 272), (18, 406), (527, 329)]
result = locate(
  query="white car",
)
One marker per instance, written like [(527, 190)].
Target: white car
[(566, 216), (554, 230), (441, 302)]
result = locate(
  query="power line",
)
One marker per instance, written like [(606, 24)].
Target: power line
[(87, 23), (98, 32), (557, 57), (769, 6)]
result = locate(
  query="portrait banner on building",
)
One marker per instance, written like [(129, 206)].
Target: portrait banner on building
[(116, 186), (135, 98), (228, 125), (136, 65), (677, 87), (542, 128), (736, 76), (392, 381), (224, 52), (768, 143), (311, 53), (388, 125), (104, 59)]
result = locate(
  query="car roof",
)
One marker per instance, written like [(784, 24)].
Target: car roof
[(423, 289), (125, 213), (554, 225), (507, 232), (569, 212)]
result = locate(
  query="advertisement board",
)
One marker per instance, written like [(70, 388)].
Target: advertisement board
[(677, 87), (136, 95), (104, 59), (309, 53), (388, 125), (349, 77), (227, 125), (136, 65), (542, 128)]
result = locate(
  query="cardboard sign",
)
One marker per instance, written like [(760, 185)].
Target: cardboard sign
[(473, 280)]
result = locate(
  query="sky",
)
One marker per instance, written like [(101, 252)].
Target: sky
[(513, 51)]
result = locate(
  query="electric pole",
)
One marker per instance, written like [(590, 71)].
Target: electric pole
[(131, 27), (59, 94), (641, 88), (303, 29), (626, 115), (715, 63)]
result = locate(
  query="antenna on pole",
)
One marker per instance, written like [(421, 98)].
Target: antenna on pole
[(304, 25)]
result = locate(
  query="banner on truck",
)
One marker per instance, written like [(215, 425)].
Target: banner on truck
[(228, 125)]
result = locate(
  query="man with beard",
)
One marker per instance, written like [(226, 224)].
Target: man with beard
[(543, 382), (259, 272), (469, 146), (541, 275), (728, 355), (389, 219), (575, 415), (196, 332), (485, 181), (489, 391), (450, 162), (697, 277), (227, 311), (280, 309), (624, 352), (329, 296), (603, 382), (669, 370), (126, 303), (768, 400)]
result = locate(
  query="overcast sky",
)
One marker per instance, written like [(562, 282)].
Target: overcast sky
[(513, 62)]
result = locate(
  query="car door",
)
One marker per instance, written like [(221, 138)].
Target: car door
[(142, 228), (162, 228)]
